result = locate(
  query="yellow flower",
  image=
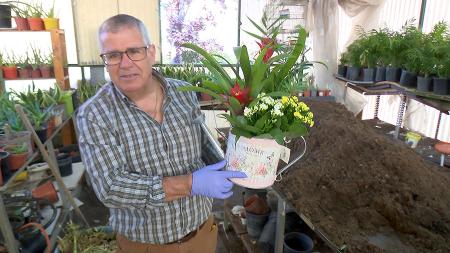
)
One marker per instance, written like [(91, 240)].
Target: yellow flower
[(297, 115), (310, 114), (284, 99), (311, 124)]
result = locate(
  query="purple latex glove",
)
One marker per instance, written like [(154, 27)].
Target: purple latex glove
[(210, 181)]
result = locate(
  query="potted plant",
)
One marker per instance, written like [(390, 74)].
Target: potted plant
[(342, 67), (262, 114), (35, 62), (35, 19), (24, 67), (369, 54), (354, 52), (46, 65), (50, 21), (9, 66), (18, 155), (20, 16), (411, 63), (397, 46)]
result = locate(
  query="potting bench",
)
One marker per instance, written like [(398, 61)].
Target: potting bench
[(68, 202)]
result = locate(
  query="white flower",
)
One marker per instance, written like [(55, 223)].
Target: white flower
[(247, 112), (263, 107)]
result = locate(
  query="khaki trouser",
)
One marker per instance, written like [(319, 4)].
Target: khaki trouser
[(203, 241)]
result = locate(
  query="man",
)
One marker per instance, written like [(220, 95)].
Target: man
[(143, 146)]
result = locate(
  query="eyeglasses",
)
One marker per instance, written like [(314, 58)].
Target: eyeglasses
[(134, 54)]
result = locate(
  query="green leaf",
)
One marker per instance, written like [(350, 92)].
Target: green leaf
[(241, 132), (217, 77), (199, 89), (278, 135), (296, 130), (235, 105), (213, 62), (213, 86), (239, 121), (298, 49), (229, 63), (254, 35), (261, 121), (245, 65), (258, 27)]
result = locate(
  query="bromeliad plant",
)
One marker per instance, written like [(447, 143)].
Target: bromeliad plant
[(253, 99)]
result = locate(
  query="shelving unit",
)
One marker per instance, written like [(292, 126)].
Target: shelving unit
[(66, 197)]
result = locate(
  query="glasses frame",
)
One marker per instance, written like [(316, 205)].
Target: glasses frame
[(122, 53)]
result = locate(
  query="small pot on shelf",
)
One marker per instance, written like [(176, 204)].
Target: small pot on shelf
[(64, 164)]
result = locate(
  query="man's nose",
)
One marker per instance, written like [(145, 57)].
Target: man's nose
[(125, 61)]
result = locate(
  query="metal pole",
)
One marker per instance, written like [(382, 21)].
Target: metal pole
[(422, 14), (281, 219), (401, 110)]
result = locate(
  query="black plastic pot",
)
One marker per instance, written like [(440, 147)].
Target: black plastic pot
[(381, 74), (353, 73), (424, 83), (64, 164), (255, 223), (296, 242), (42, 134), (408, 79), (5, 16), (441, 86), (369, 74), (393, 74), (342, 70)]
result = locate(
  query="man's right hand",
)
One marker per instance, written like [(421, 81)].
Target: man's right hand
[(210, 181)]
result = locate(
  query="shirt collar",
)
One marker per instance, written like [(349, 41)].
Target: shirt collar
[(155, 74)]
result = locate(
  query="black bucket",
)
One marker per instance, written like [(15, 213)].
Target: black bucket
[(393, 74), (353, 73), (255, 223), (408, 79), (342, 70), (369, 74), (441, 86), (64, 164), (424, 83), (296, 242), (381, 74)]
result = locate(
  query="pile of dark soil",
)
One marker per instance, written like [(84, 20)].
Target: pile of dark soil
[(367, 191)]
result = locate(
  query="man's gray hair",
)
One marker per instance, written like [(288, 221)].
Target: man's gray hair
[(115, 23)]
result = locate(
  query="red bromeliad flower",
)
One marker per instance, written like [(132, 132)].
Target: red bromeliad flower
[(240, 94), (270, 51)]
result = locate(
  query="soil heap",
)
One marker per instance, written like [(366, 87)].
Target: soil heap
[(366, 190)]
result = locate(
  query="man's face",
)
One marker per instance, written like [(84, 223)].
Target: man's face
[(129, 76)]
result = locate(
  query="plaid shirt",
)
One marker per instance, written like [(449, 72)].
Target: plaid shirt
[(127, 153)]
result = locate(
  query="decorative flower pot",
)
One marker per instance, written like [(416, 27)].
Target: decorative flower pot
[(24, 73), (35, 73), (9, 72), (35, 24), (393, 74), (369, 74), (257, 158), (21, 24), (424, 83), (5, 16), (46, 71), (296, 242), (51, 23), (380, 74), (408, 79)]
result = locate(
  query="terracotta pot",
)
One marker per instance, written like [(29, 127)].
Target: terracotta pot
[(35, 24), (307, 93), (51, 23), (46, 191), (46, 71), (24, 73), (21, 24), (36, 73), (9, 72), (16, 161)]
